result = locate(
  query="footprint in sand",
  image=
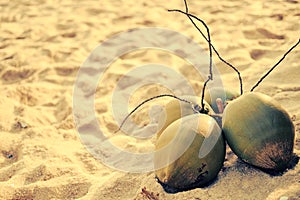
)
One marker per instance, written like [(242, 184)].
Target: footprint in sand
[(261, 33), (12, 75), (257, 54), (66, 71)]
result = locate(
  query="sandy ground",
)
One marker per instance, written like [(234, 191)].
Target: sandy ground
[(42, 46)]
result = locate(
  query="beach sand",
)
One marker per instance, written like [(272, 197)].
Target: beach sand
[(42, 46)]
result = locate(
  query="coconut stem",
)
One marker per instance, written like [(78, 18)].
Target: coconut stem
[(264, 76), (150, 99), (210, 76), (211, 45)]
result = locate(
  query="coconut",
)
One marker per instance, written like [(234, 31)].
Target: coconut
[(176, 109), (189, 153), (259, 131)]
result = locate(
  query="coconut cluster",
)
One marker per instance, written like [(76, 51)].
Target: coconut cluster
[(190, 146)]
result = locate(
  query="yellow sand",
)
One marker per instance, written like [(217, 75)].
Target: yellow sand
[(44, 42)]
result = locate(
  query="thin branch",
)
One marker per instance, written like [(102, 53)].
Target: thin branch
[(208, 36), (203, 92), (217, 53), (262, 78), (210, 77), (150, 99)]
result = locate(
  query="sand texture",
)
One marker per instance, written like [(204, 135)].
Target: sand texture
[(43, 43)]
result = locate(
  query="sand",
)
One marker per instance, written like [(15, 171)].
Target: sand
[(42, 46)]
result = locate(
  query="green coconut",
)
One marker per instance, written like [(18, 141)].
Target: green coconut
[(259, 131), (176, 109), (190, 152), (225, 94)]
